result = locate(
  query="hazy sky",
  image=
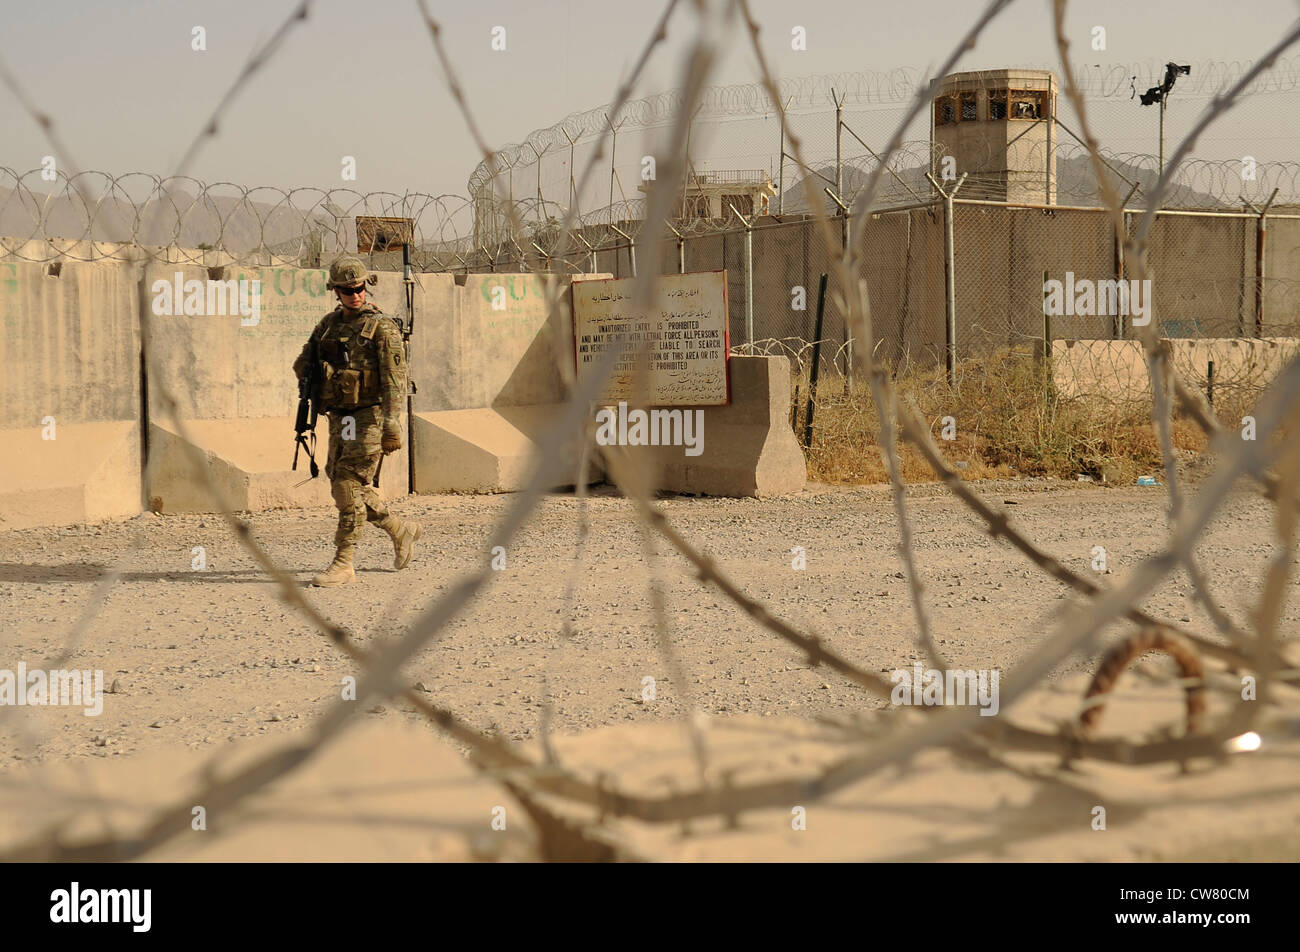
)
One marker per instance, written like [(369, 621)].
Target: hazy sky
[(128, 93)]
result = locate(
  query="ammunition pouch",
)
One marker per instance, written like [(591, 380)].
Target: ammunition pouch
[(348, 388)]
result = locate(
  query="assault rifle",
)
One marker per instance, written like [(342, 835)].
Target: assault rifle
[(308, 409)]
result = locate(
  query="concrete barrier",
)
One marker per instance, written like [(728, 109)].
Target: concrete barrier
[(69, 393), (479, 431), (233, 382), (487, 450), (1116, 370), (748, 447), (473, 354), (491, 365)]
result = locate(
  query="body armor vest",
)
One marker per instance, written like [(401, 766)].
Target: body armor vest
[(349, 356)]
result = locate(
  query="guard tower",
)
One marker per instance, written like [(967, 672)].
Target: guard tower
[(1000, 126)]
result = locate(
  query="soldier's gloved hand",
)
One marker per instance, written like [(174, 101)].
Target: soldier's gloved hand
[(391, 443)]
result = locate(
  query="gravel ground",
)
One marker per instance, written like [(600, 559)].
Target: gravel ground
[(202, 656)]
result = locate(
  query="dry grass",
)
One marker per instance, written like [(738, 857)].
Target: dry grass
[(1009, 422)]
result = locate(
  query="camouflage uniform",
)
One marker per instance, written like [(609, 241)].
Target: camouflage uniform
[(363, 387)]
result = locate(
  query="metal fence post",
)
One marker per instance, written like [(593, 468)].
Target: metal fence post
[(1261, 232), (1051, 120), (839, 137), (573, 186), (1117, 323), (949, 275), (950, 286), (591, 252), (1117, 320), (686, 166), (613, 150), (780, 188), (843, 214), (631, 246), (846, 237), (1047, 325), (1049, 375), (681, 248), (749, 287), (816, 363), (546, 257), (749, 278)]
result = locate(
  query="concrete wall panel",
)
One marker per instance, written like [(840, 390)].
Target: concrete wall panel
[(1282, 277), (69, 352), (1116, 370), (69, 344), (469, 354)]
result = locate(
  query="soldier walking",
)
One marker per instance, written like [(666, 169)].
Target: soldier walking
[(363, 385)]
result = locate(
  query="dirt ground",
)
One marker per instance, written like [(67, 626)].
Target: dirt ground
[(204, 656)]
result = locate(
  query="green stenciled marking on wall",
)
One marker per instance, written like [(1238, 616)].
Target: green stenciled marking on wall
[(513, 324), (10, 318), (508, 282), (290, 305), (278, 281), (313, 282)]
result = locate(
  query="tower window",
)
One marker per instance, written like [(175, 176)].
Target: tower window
[(997, 103), (1027, 103), (967, 107), (945, 111)]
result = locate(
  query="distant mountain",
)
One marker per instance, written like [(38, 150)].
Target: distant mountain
[(1077, 185), (891, 190)]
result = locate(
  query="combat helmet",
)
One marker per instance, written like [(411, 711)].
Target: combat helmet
[(346, 271)]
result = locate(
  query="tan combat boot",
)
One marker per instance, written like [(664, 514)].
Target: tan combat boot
[(340, 570), (404, 535)]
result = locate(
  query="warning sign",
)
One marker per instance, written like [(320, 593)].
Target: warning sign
[(679, 346)]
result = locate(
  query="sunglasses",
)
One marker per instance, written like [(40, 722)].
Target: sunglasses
[(353, 290)]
